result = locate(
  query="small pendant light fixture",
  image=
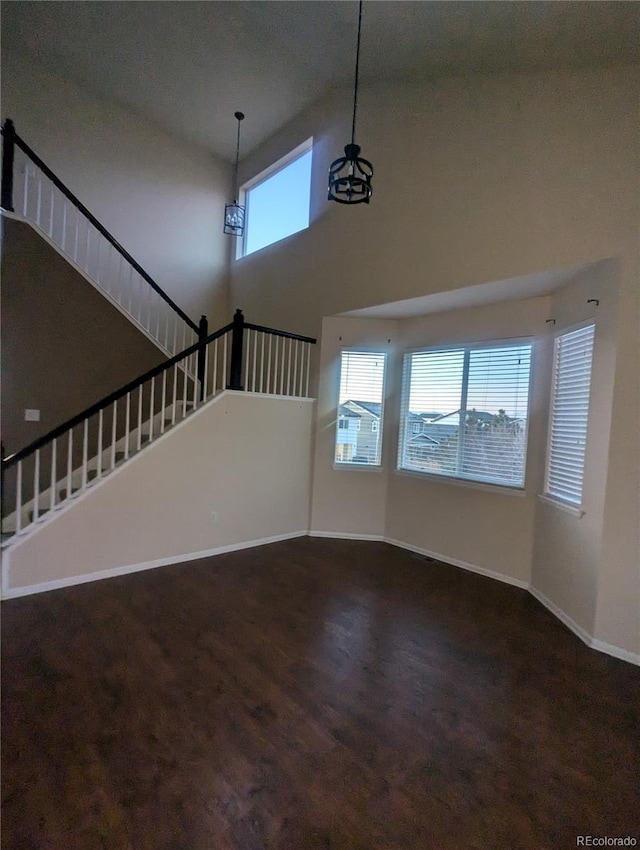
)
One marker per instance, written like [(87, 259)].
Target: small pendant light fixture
[(350, 175), (234, 213)]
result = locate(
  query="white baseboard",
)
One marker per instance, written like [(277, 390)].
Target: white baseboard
[(583, 634), (472, 568), (15, 592), (343, 535), (616, 651), (591, 642), (585, 637)]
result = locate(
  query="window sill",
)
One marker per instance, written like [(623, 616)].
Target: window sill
[(464, 482), (359, 467), (567, 507)]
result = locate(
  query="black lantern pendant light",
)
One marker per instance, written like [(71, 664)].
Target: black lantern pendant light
[(234, 213), (350, 175)]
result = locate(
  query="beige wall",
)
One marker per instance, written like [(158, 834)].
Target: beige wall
[(161, 197), (245, 457), (351, 501), (570, 563), (486, 527), (618, 607), (481, 179), (64, 346), (490, 528), (476, 179), (586, 566)]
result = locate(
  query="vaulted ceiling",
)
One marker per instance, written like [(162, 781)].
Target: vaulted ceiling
[(189, 65)]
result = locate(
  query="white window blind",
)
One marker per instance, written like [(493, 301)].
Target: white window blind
[(360, 408), (569, 411), (465, 412)]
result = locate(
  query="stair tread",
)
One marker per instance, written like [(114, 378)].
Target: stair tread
[(92, 474), (63, 493), (41, 512)]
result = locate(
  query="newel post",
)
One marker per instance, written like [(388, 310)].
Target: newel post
[(203, 333), (235, 373), (8, 149)]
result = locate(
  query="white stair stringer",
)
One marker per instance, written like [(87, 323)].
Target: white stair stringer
[(205, 487), (167, 335), (127, 445)]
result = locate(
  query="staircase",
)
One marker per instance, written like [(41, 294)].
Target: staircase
[(46, 476), (33, 193)]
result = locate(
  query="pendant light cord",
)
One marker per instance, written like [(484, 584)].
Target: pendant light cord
[(355, 88), (235, 173)]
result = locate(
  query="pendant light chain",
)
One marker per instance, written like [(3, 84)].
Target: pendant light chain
[(355, 87), (350, 175), (234, 214), (239, 116)]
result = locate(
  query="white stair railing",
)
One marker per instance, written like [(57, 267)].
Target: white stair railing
[(42, 477), (32, 191), (275, 362)]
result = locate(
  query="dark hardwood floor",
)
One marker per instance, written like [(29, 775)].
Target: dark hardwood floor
[(310, 694)]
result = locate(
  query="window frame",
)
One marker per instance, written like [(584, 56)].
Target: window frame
[(349, 464), (245, 190), (497, 486), (552, 498)]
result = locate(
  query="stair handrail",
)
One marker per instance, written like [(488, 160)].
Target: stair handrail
[(10, 139), (286, 334), (237, 327), (109, 399)]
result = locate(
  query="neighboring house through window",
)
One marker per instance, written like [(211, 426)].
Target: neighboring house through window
[(360, 405), (478, 402)]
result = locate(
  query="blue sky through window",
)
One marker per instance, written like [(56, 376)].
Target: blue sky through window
[(279, 206), (498, 379)]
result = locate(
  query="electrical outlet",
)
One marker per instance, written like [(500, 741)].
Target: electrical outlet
[(31, 415)]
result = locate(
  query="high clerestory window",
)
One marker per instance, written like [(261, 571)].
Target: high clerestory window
[(277, 200), (465, 411)]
